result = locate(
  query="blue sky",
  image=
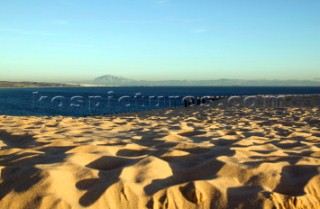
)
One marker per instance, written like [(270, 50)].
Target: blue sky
[(65, 40)]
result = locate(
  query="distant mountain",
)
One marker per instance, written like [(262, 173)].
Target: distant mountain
[(110, 80)]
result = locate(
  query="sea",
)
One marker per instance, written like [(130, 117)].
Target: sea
[(90, 101)]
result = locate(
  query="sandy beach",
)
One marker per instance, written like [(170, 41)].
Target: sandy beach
[(196, 157)]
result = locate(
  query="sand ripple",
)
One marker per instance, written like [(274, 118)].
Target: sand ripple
[(187, 158)]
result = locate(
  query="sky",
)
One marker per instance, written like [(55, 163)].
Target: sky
[(72, 40)]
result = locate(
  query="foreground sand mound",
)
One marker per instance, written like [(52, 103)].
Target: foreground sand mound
[(187, 158)]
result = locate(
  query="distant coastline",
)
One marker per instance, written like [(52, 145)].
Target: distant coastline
[(8, 84), (111, 80), (115, 81)]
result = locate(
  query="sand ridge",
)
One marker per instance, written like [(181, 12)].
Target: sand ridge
[(185, 158)]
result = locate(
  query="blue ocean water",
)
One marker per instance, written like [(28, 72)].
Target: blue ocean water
[(84, 101)]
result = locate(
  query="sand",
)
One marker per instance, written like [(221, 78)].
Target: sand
[(185, 158)]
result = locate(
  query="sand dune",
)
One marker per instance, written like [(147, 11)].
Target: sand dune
[(187, 158)]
